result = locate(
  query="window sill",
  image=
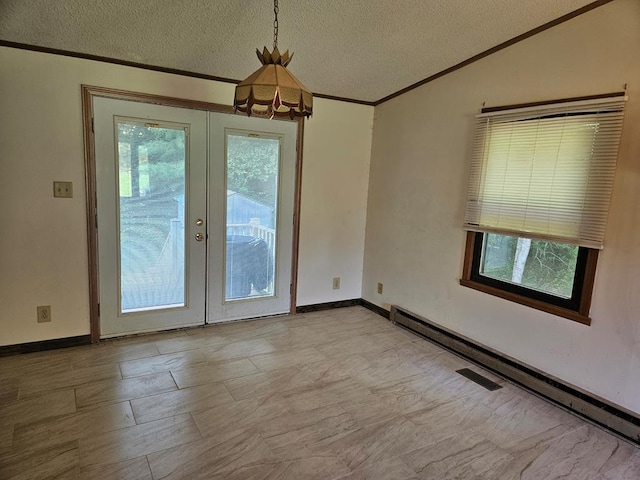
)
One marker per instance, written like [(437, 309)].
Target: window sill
[(529, 302)]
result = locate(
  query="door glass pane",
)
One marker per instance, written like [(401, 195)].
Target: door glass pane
[(151, 167), (252, 196), (540, 265)]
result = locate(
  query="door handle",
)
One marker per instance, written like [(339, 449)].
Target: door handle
[(199, 237), (199, 222)]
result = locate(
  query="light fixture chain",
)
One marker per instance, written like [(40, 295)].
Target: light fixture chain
[(275, 24)]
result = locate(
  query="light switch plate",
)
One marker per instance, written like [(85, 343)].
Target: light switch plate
[(63, 189)]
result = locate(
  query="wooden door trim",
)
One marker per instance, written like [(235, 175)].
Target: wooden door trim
[(297, 197), (88, 93)]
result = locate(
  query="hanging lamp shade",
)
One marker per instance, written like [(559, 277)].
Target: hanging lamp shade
[(272, 90)]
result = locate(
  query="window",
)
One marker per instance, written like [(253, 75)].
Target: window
[(551, 276), (541, 178)]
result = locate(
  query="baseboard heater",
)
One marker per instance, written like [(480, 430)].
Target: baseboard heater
[(614, 418)]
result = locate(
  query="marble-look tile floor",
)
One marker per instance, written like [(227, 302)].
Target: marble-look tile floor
[(338, 394)]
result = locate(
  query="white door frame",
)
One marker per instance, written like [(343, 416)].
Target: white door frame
[(219, 309), (114, 320), (88, 93)]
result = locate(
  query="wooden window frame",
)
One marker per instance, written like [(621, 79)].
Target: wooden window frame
[(576, 309)]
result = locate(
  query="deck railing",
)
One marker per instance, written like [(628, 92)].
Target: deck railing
[(254, 229)]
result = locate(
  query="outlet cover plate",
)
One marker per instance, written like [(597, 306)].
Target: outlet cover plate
[(44, 313), (63, 189)]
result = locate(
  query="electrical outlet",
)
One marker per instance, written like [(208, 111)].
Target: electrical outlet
[(336, 283), (44, 313), (63, 189), (380, 288)]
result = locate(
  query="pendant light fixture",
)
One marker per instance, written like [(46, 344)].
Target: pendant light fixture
[(272, 90)]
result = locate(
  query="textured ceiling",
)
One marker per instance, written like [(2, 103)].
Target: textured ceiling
[(356, 49)]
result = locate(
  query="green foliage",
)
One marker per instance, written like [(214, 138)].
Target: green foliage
[(252, 163), (499, 256), (151, 160), (550, 266), (252, 167), (152, 177)]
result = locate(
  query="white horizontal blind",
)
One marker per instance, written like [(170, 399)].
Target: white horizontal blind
[(546, 172)]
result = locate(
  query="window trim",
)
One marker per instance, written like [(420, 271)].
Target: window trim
[(583, 285)]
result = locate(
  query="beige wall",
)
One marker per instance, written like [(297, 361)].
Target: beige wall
[(43, 246), (335, 179), (419, 168)]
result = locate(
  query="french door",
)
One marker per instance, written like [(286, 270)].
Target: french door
[(194, 216), (251, 206)]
